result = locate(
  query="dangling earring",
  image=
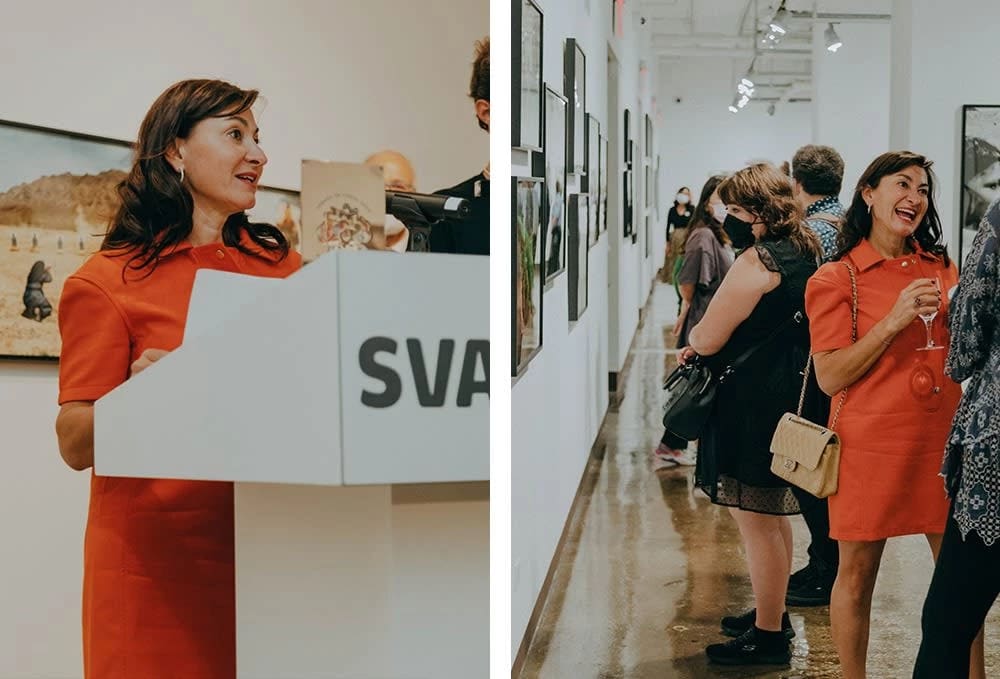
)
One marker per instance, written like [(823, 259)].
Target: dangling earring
[(182, 181), (869, 204)]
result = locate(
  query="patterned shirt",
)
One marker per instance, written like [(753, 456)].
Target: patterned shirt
[(972, 455), (826, 232)]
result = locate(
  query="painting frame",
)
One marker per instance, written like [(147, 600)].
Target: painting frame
[(579, 255), (556, 142), (980, 169), (575, 91), (77, 167), (526, 15), (649, 137), (520, 359), (591, 184), (603, 180)]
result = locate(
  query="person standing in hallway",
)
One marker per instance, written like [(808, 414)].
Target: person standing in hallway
[(897, 404), (707, 262), (159, 596), (678, 218), (817, 177), (967, 574), (759, 305)]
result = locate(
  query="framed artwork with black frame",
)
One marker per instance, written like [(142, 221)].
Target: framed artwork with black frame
[(634, 196), (656, 189), (575, 89), (527, 23), (647, 234), (579, 260), (555, 143), (648, 184), (649, 137), (626, 177), (980, 169), (527, 198), (604, 185)]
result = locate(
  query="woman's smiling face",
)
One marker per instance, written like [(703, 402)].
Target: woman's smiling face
[(899, 202)]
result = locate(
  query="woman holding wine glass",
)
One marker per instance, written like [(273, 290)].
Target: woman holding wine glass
[(899, 404)]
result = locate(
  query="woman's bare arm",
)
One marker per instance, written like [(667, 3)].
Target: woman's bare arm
[(732, 304), (75, 431)]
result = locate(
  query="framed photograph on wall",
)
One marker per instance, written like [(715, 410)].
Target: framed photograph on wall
[(633, 196), (649, 137), (57, 197), (589, 182), (575, 88), (648, 187), (980, 169), (604, 185), (578, 254), (626, 177), (526, 270), (526, 75), (656, 190), (555, 141), (647, 234)]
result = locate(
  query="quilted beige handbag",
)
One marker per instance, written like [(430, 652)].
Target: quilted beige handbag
[(807, 454)]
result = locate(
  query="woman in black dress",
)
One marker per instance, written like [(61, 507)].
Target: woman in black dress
[(759, 303), (677, 222)]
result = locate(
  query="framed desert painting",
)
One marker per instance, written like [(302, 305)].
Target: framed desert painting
[(57, 195)]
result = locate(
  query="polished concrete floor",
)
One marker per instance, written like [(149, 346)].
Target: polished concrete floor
[(650, 566)]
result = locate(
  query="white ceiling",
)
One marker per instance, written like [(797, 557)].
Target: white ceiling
[(730, 29)]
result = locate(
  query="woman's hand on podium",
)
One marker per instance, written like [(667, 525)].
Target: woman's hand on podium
[(146, 359)]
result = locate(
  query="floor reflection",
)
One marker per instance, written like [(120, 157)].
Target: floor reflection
[(650, 566)]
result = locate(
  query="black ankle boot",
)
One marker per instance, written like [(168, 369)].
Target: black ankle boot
[(735, 625), (753, 647)]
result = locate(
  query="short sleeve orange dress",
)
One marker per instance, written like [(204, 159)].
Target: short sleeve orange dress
[(896, 418), (158, 584)]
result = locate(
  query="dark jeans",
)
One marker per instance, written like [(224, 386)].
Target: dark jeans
[(965, 584), (817, 517), (671, 441)]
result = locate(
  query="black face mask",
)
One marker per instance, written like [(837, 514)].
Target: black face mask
[(740, 232)]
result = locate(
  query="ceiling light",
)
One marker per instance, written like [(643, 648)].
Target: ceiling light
[(779, 23), (733, 109), (747, 82), (833, 41)]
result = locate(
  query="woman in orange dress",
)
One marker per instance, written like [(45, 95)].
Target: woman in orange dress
[(158, 586), (899, 405)]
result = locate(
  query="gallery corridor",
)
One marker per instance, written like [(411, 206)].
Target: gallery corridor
[(649, 566)]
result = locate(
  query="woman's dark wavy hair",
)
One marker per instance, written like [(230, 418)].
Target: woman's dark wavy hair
[(858, 221), (156, 209), (762, 190), (703, 217)]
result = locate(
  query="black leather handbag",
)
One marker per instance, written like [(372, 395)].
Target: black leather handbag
[(690, 393), (691, 388)]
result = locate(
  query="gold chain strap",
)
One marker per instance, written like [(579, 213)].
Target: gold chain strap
[(854, 338)]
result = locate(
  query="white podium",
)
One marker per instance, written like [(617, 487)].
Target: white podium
[(349, 403)]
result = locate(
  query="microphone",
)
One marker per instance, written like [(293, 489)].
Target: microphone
[(425, 207)]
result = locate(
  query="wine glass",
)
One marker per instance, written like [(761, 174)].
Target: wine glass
[(928, 320)]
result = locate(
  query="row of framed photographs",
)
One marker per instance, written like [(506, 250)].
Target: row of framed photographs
[(552, 232)]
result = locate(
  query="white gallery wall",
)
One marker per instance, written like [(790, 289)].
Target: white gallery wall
[(854, 79), (341, 80), (944, 55), (700, 137), (558, 403)]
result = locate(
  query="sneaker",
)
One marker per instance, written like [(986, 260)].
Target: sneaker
[(736, 625), (810, 586), (668, 458), (753, 647)]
